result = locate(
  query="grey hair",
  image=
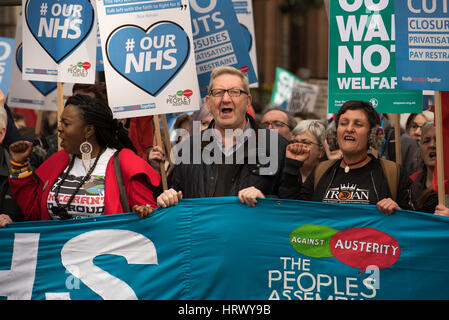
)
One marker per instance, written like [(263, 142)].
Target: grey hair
[(426, 126), (315, 127), (3, 118), (228, 70)]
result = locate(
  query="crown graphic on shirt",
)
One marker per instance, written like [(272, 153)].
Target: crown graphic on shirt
[(348, 187)]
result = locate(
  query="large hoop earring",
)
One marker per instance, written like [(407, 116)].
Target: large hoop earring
[(86, 152)]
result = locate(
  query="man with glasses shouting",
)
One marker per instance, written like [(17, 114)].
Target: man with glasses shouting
[(232, 157)]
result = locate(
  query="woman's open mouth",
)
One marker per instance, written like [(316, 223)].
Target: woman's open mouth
[(432, 155)]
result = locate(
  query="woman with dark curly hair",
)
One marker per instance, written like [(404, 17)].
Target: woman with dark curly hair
[(82, 179)]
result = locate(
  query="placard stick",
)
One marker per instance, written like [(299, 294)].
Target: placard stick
[(37, 128), (440, 158), (60, 101), (157, 130), (397, 137), (166, 137)]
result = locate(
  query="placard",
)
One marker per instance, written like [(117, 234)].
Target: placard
[(283, 85), (303, 97), (6, 57), (245, 15), (31, 94), (59, 40), (148, 57), (422, 45), (362, 64), (218, 40)]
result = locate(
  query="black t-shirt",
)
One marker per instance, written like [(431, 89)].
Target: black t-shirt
[(355, 187), (365, 185)]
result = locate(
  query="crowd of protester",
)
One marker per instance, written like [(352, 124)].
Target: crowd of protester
[(101, 168)]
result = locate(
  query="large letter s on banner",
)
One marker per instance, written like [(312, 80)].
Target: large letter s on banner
[(78, 254)]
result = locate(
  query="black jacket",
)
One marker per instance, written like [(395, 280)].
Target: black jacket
[(8, 204), (199, 179), (424, 199), (409, 148)]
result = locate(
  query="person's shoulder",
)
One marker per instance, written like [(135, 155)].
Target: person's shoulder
[(283, 141), (131, 165), (56, 162), (381, 163), (129, 157), (407, 139), (61, 155)]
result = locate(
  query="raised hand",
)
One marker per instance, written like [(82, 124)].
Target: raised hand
[(20, 151), (297, 151)]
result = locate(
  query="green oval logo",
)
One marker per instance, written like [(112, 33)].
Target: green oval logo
[(312, 240)]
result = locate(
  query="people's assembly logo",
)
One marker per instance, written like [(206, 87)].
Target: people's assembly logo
[(374, 102), (181, 98), (356, 247), (80, 69)]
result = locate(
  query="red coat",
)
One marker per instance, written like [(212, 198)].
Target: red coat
[(31, 193)]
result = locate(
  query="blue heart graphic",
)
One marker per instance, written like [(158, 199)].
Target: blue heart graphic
[(44, 87), (247, 36), (59, 27), (150, 58)]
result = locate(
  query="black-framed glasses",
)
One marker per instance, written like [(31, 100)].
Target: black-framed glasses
[(305, 142), (233, 92), (416, 126), (274, 124)]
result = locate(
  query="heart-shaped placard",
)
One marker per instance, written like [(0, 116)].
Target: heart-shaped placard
[(44, 87), (149, 58), (59, 27)]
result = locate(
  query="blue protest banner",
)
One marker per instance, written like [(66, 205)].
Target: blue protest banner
[(218, 248), (218, 40), (422, 45), (44, 87), (30, 94), (6, 54), (76, 18), (244, 12), (148, 52), (170, 35), (59, 41)]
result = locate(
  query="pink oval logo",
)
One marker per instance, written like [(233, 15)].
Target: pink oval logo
[(86, 65), (244, 69), (364, 247), (187, 93)]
